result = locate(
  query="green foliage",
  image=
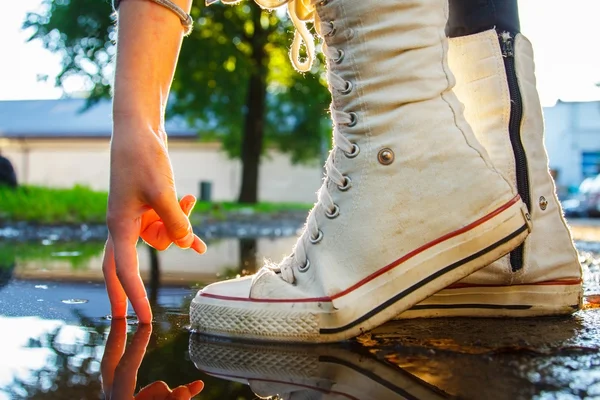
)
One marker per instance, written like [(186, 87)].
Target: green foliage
[(48, 205), (211, 83), (83, 205), (77, 254)]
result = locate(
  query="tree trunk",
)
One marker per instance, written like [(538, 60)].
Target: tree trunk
[(254, 121)]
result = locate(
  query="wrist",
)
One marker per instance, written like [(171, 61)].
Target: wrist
[(134, 122)]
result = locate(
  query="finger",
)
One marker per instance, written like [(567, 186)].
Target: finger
[(126, 371), (155, 390), (195, 387), (156, 236), (150, 217), (198, 245), (115, 345), (187, 204), (180, 393), (155, 233), (125, 236), (176, 221), (116, 293)]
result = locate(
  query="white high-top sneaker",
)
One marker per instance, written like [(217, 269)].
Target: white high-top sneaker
[(543, 275), (411, 202), (306, 372)]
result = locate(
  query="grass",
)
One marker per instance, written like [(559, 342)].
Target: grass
[(78, 254), (50, 206), (81, 204)]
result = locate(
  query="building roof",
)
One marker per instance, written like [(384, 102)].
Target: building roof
[(66, 118)]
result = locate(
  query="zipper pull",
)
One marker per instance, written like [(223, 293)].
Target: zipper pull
[(506, 44)]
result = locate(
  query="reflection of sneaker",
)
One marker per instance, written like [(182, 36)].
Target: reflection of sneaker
[(411, 202), (307, 372), (542, 276)]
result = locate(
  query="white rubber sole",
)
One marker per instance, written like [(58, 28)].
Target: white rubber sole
[(331, 372), (535, 300), (378, 298)]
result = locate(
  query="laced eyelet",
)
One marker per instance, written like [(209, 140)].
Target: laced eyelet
[(348, 88), (347, 184), (333, 214), (339, 59), (353, 119), (354, 152), (315, 240), (332, 31), (305, 267)]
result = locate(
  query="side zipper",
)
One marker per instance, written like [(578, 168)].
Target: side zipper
[(514, 129)]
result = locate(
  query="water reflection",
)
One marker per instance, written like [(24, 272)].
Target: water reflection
[(120, 368), (71, 261), (54, 335), (307, 372)]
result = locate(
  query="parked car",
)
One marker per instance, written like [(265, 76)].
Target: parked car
[(586, 203)]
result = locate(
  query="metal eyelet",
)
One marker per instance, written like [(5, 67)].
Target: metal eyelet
[(305, 267), (347, 184), (353, 119), (543, 203), (385, 156), (323, 2), (339, 58), (333, 30), (354, 152), (333, 214), (315, 240), (348, 88)]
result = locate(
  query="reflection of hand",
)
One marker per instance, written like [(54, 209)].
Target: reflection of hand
[(119, 371), (142, 202)]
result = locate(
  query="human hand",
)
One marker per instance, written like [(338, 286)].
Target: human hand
[(142, 202), (119, 369)]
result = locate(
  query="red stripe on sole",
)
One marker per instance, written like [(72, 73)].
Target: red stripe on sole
[(380, 271)]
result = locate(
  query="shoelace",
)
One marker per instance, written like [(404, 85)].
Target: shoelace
[(301, 12)]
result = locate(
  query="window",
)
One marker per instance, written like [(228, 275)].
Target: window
[(590, 163)]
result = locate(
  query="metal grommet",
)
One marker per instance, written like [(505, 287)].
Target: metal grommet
[(333, 214), (332, 31), (315, 240), (543, 203), (340, 57), (348, 88), (347, 184), (385, 156), (353, 119), (354, 152), (305, 267)]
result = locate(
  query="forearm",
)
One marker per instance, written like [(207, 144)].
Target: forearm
[(148, 43)]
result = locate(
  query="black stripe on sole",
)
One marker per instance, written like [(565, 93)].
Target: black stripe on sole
[(390, 385), (462, 306), (418, 285)]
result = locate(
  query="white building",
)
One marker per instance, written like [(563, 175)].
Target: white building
[(573, 141), (50, 142), (53, 143)]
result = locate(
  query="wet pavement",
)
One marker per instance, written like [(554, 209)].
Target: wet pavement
[(57, 342)]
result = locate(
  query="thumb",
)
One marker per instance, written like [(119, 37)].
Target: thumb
[(175, 220)]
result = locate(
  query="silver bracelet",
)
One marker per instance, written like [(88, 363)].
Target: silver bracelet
[(186, 19)]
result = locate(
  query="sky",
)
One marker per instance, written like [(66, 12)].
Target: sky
[(564, 34)]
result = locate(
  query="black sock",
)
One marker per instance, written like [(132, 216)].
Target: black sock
[(468, 17)]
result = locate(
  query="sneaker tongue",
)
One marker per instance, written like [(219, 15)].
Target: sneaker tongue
[(284, 391)]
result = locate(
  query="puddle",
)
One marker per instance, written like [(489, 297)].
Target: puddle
[(53, 300)]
